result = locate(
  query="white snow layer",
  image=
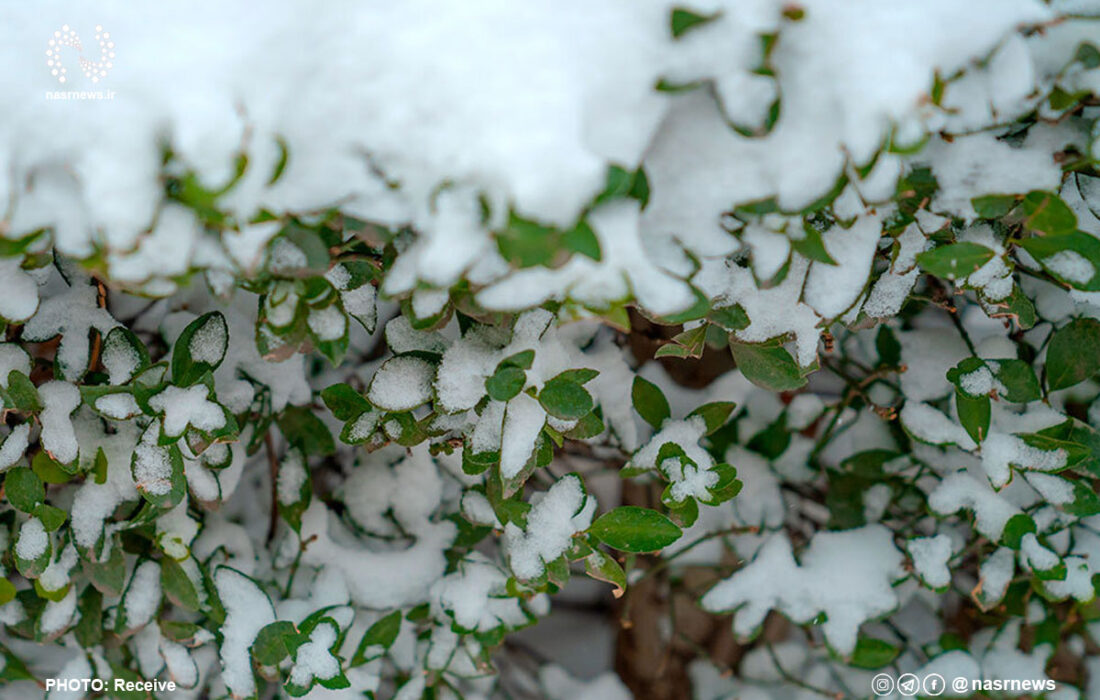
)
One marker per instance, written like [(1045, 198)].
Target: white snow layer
[(571, 91), (846, 575)]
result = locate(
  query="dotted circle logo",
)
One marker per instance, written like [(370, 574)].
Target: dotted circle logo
[(93, 70)]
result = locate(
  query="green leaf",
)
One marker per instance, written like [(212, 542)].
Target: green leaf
[(1018, 378), (587, 427), (974, 414), (690, 343), (580, 375), (773, 439), (7, 591), (714, 414), (634, 529), (1015, 529), (22, 392), (1016, 307), (1072, 258), (52, 518), (344, 402), (506, 383), (873, 653), (24, 489), (767, 365), (275, 642), (108, 577), (888, 347), (683, 20), (650, 402), (382, 633), (177, 585), (732, 318), (304, 430), (603, 568), (868, 464), (207, 335), (49, 470), (1085, 502), (812, 246), (1073, 354), (1046, 213), (89, 630), (994, 206), (565, 399), (955, 260), (522, 360), (582, 239)]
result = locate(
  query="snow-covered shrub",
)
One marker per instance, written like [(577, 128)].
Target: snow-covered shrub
[(330, 339)]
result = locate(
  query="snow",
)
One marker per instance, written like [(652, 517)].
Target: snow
[(728, 284), (58, 614), (760, 502), (465, 366), (929, 425), (369, 572), (118, 406), (313, 660), (119, 358), (1053, 489), (248, 610), (1070, 265), (189, 406), (360, 303), (977, 383), (831, 289), (846, 575), (56, 575), (59, 399), (1036, 555), (210, 340), (292, 475), (563, 510), (524, 419), (20, 298), (979, 164), (382, 112), (960, 490), (559, 685), (688, 481), (152, 466), (71, 314), (474, 596), (402, 383), (181, 667), (1000, 452), (33, 540), (12, 357), (328, 323), (142, 596), (14, 445), (684, 433), (930, 556), (408, 490)]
